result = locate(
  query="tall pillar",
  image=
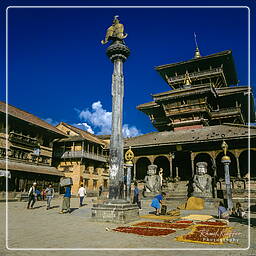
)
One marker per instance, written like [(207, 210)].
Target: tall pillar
[(226, 161), (116, 209), (118, 53)]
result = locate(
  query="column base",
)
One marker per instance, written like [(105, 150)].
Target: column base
[(115, 211)]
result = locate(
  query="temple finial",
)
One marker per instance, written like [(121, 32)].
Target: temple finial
[(197, 52)]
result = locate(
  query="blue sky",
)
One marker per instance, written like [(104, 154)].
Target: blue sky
[(58, 70)]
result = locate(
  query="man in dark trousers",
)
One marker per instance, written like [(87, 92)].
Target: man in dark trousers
[(32, 196), (136, 194)]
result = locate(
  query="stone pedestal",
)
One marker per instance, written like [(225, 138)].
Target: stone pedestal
[(114, 212), (211, 203), (150, 195)]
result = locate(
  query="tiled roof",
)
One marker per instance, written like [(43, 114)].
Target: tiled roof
[(16, 166), (194, 60), (84, 134), (27, 117), (232, 90), (209, 133)]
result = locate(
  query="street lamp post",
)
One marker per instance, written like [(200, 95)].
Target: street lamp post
[(226, 161)]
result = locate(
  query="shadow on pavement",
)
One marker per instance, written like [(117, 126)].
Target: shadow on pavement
[(55, 206), (244, 221), (73, 209), (37, 207)]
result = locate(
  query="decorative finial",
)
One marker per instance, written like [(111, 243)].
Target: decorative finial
[(197, 52), (187, 80), (129, 155), (115, 32), (224, 147)]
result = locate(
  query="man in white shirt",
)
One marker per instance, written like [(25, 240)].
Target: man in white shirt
[(81, 193), (32, 196)]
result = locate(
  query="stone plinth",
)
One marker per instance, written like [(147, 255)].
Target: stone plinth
[(150, 195), (115, 212)]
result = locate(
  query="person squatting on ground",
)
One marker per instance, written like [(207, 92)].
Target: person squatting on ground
[(66, 200), (223, 213), (49, 195), (239, 211), (136, 193), (32, 195), (157, 202), (81, 193)]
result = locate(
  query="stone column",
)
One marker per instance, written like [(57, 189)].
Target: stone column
[(170, 160), (118, 53), (134, 171), (177, 171), (226, 163), (128, 182), (192, 155), (238, 167)]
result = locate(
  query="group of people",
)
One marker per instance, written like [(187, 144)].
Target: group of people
[(237, 211), (33, 194), (156, 203), (49, 193)]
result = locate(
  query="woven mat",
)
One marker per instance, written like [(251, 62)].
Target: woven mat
[(161, 217), (198, 217), (145, 231), (155, 224), (206, 235)]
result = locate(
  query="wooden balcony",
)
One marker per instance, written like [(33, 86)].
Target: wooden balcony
[(22, 139), (226, 112), (198, 75), (80, 154)]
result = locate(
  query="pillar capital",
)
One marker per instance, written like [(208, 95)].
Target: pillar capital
[(118, 50)]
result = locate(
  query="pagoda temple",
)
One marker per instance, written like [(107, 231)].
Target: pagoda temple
[(204, 107)]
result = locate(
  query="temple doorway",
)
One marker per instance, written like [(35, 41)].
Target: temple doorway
[(245, 165), (163, 162), (182, 165), (142, 167)]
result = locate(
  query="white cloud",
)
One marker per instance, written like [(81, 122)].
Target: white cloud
[(99, 120), (130, 131), (51, 121), (84, 126)]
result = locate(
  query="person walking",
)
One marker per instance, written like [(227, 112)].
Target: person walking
[(81, 194), (32, 196), (136, 194), (66, 200), (49, 195)]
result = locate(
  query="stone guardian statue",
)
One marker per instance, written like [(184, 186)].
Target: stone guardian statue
[(152, 180), (202, 182)]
